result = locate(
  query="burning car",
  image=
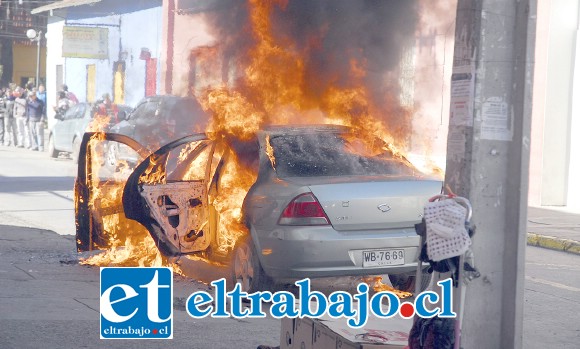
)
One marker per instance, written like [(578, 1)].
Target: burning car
[(319, 204)]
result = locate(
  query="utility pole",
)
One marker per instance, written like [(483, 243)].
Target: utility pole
[(488, 159)]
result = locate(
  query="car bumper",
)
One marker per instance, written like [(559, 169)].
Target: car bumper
[(298, 252)]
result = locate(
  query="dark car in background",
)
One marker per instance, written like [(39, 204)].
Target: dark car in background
[(155, 121), (66, 134)]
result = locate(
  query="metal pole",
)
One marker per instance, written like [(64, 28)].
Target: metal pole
[(38, 39), (488, 159)]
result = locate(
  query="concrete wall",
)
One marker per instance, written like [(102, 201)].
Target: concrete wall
[(140, 30), (561, 50), (182, 33), (539, 104), (129, 33), (132, 26), (76, 68), (53, 60), (574, 168)]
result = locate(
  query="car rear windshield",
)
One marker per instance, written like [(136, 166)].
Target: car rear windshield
[(322, 154)]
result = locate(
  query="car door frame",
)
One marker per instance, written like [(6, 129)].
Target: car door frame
[(135, 206), (88, 237)]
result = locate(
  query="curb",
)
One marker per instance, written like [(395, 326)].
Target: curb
[(554, 243)]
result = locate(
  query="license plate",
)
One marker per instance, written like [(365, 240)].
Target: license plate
[(379, 258)]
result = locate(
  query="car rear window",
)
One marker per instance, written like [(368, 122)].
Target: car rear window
[(310, 155)]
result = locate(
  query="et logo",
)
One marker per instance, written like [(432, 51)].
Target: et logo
[(136, 303)]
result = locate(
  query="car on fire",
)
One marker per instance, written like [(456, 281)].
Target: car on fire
[(319, 206)]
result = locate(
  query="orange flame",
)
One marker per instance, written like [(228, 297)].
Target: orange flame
[(270, 152), (378, 286)]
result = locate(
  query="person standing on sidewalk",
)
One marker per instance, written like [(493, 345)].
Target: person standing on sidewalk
[(11, 134), (35, 111), (21, 118), (41, 94)]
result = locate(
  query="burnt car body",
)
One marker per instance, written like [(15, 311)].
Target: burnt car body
[(318, 208), (66, 134)]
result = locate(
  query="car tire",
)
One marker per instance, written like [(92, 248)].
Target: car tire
[(76, 150), (406, 282), (246, 269), (53, 153)]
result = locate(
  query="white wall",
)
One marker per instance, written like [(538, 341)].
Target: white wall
[(76, 68), (574, 168), (558, 110), (127, 32), (53, 59), (139, 30)]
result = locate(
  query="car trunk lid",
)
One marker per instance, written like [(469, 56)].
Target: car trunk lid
[(384, 204)]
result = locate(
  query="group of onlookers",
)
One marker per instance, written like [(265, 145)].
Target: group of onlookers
[(23, 116), (23, 113)]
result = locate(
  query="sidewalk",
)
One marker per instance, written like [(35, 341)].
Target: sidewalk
[(554, 228)]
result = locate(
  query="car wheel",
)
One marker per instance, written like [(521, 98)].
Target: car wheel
[(76, 150), (246, 269), (406, 282), (53, 153)]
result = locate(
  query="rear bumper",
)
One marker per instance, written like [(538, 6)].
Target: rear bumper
[(299, 252)]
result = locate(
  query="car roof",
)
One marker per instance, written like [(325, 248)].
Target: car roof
[(280, 130)]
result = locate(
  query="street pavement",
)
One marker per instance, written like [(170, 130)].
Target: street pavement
[(49, 300)]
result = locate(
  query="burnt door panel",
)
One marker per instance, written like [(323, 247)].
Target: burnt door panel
[(167, 193)]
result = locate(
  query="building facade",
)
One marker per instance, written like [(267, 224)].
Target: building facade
[(104, 47)]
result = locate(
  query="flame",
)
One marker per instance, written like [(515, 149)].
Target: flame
[(378, 286), (99, 123), (235, 182), (154, 173), (129, 242), (270, 152)]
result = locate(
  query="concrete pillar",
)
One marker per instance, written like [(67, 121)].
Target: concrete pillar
[(488, 158)]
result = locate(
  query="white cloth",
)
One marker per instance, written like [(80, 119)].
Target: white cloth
[(446, 233)]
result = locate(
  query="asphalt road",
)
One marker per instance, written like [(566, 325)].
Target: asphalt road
[(41, 283), (36, 191), (552, 299)]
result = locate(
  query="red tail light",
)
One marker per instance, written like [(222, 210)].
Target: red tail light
[(304, 210)]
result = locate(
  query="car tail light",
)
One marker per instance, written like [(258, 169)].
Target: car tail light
[(303, 210)]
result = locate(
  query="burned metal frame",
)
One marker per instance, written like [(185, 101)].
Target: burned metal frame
[(86, 234), (135, 204)]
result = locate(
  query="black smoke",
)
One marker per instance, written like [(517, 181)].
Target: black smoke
[(329, 35), (372, 32)]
